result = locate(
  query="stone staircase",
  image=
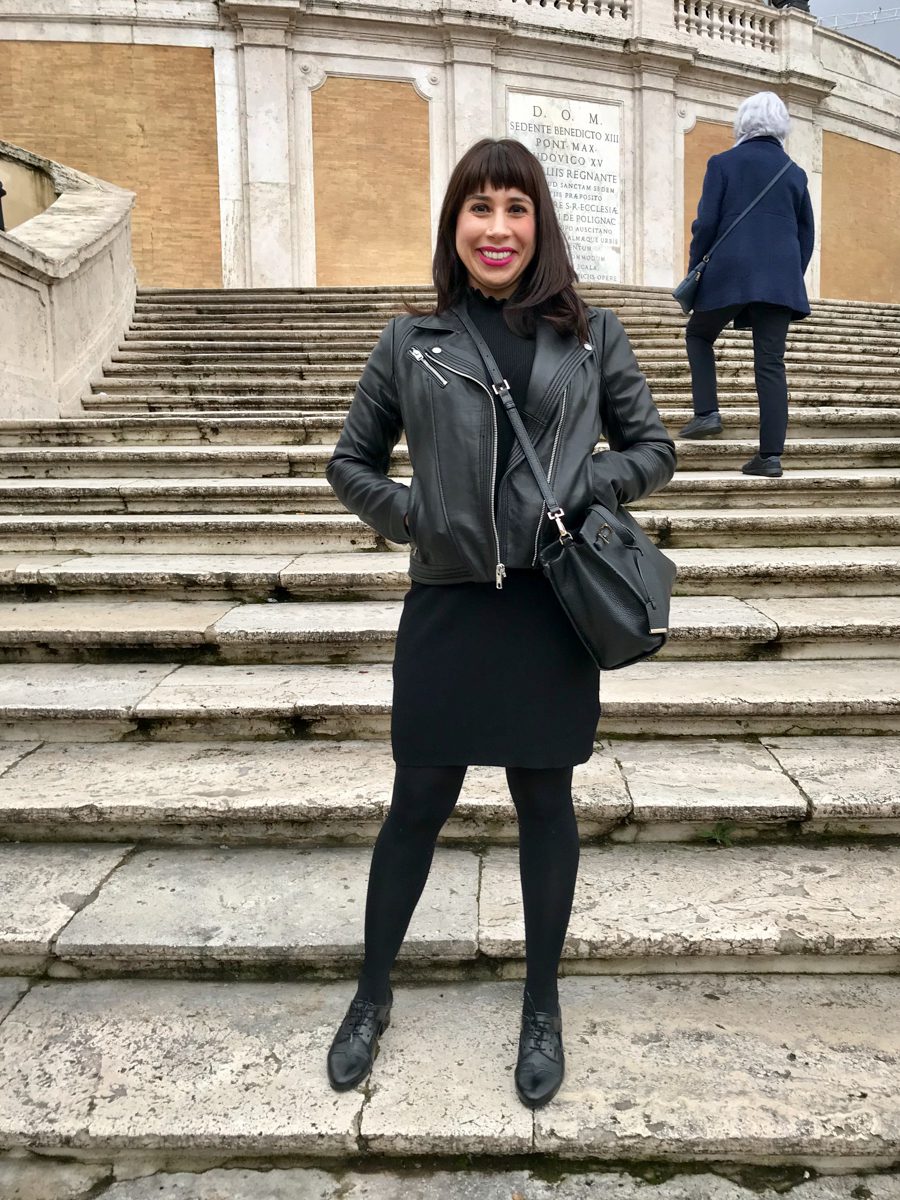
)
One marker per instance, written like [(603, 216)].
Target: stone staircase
[(195, 646)]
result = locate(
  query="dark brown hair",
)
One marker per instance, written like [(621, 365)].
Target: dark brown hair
[(546, 286)]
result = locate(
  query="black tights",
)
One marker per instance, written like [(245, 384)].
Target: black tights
[(423, 799)]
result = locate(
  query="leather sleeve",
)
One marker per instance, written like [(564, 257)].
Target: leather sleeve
[(358, 470), (641, 458), (709, 212)]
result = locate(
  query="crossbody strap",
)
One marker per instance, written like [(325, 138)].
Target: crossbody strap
[(787, 166), (501, 389)]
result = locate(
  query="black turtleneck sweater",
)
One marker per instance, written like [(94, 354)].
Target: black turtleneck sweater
[(514, 356)]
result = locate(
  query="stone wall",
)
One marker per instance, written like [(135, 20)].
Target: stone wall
[(67, 291), (143, 117)]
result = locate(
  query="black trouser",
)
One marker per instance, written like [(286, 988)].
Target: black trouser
[(769, 323), (423, 799)]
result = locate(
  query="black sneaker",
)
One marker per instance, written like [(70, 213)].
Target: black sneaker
[(355, 1044), (701, 427), (770, 466), (542, 1062)]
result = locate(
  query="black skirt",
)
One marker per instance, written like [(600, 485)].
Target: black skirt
[(491, 677)]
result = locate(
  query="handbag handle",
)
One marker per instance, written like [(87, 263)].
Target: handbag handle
[(502, 391), (750, 206)]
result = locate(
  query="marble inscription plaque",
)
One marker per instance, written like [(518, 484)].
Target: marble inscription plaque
[(578, 144)]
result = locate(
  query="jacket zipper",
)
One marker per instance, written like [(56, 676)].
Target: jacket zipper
[(556, 441), (500, 569), (421, 358)]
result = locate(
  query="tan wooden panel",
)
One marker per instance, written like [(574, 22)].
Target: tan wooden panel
[(704, 140)]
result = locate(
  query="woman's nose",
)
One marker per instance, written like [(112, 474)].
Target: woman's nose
[(498, 226)]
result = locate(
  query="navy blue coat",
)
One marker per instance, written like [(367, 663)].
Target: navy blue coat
[(766, 256)]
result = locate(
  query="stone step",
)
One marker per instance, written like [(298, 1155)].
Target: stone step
[(170, 488), (291, 404), (263, 378), (320, 793), (701, 627), (36, 1177), (99, 702), (369, 575), (273, 533), (171, 1072), (642, 909), (322, 428)]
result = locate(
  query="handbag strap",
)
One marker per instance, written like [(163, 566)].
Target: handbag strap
[(787, 166), (502, 391)]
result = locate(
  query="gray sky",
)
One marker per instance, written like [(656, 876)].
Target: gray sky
[(885, 35)]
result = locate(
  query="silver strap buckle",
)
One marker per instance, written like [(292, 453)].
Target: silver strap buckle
[(557, 514), (502, 389)]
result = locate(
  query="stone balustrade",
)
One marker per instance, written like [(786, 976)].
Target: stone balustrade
[(67, 288)]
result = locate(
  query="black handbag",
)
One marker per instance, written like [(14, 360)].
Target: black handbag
[(686, 292), (613, 583)]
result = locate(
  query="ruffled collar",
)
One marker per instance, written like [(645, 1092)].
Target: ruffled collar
[(477, 296)]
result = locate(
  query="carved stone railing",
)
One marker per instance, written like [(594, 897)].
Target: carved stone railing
[(67, 290), (752, 26)]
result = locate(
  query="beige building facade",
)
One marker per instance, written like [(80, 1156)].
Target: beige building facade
[(285, 143)]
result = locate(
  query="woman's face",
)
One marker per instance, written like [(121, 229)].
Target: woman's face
[(495, 239)]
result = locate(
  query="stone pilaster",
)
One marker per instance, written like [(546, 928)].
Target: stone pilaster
[(264, 80), (658, 204), (470, 73)]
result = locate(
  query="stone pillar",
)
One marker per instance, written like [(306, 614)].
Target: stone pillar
[(657, 206), (268, 144), (470, 74)]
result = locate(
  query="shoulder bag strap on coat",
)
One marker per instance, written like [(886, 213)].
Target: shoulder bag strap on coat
[(501, 389), (787, 166)]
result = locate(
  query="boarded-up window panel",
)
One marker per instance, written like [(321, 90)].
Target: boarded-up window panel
[(143, 117), (372, 183), (704, 140), (860, 227)]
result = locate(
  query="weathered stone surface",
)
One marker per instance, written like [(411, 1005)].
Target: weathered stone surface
[(42, 887), (80, 622), (10, 991), (312, 1184), (32, 1179), (834, 616), (285, 789), (347, 621), (472, 1032), (29, 690), (643, 905), (13, 752), (253, 907), (237, 1068), (25, 568), (728, 1067), (705, 617), (165, 570), (846, 778), (193, 692), (707, 780)]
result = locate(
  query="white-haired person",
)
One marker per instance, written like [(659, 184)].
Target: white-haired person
[(755, 278)]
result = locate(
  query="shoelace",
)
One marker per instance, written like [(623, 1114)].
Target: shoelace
[(361, 1013), (542, 1036)]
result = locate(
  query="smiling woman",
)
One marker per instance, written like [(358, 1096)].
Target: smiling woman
[(487, 668)]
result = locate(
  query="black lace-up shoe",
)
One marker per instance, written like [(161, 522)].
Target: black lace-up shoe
[(700, 427), (770, 467), (542, 1063), (355, 1044)]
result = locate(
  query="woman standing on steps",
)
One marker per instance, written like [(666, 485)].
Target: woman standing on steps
[(755, 278), (487, 668)]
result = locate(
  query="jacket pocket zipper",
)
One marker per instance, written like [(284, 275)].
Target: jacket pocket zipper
[(423, 361)]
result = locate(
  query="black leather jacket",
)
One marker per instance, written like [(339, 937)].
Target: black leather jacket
[(425, 377)]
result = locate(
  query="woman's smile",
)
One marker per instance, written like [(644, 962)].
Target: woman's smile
[(495, 239)]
